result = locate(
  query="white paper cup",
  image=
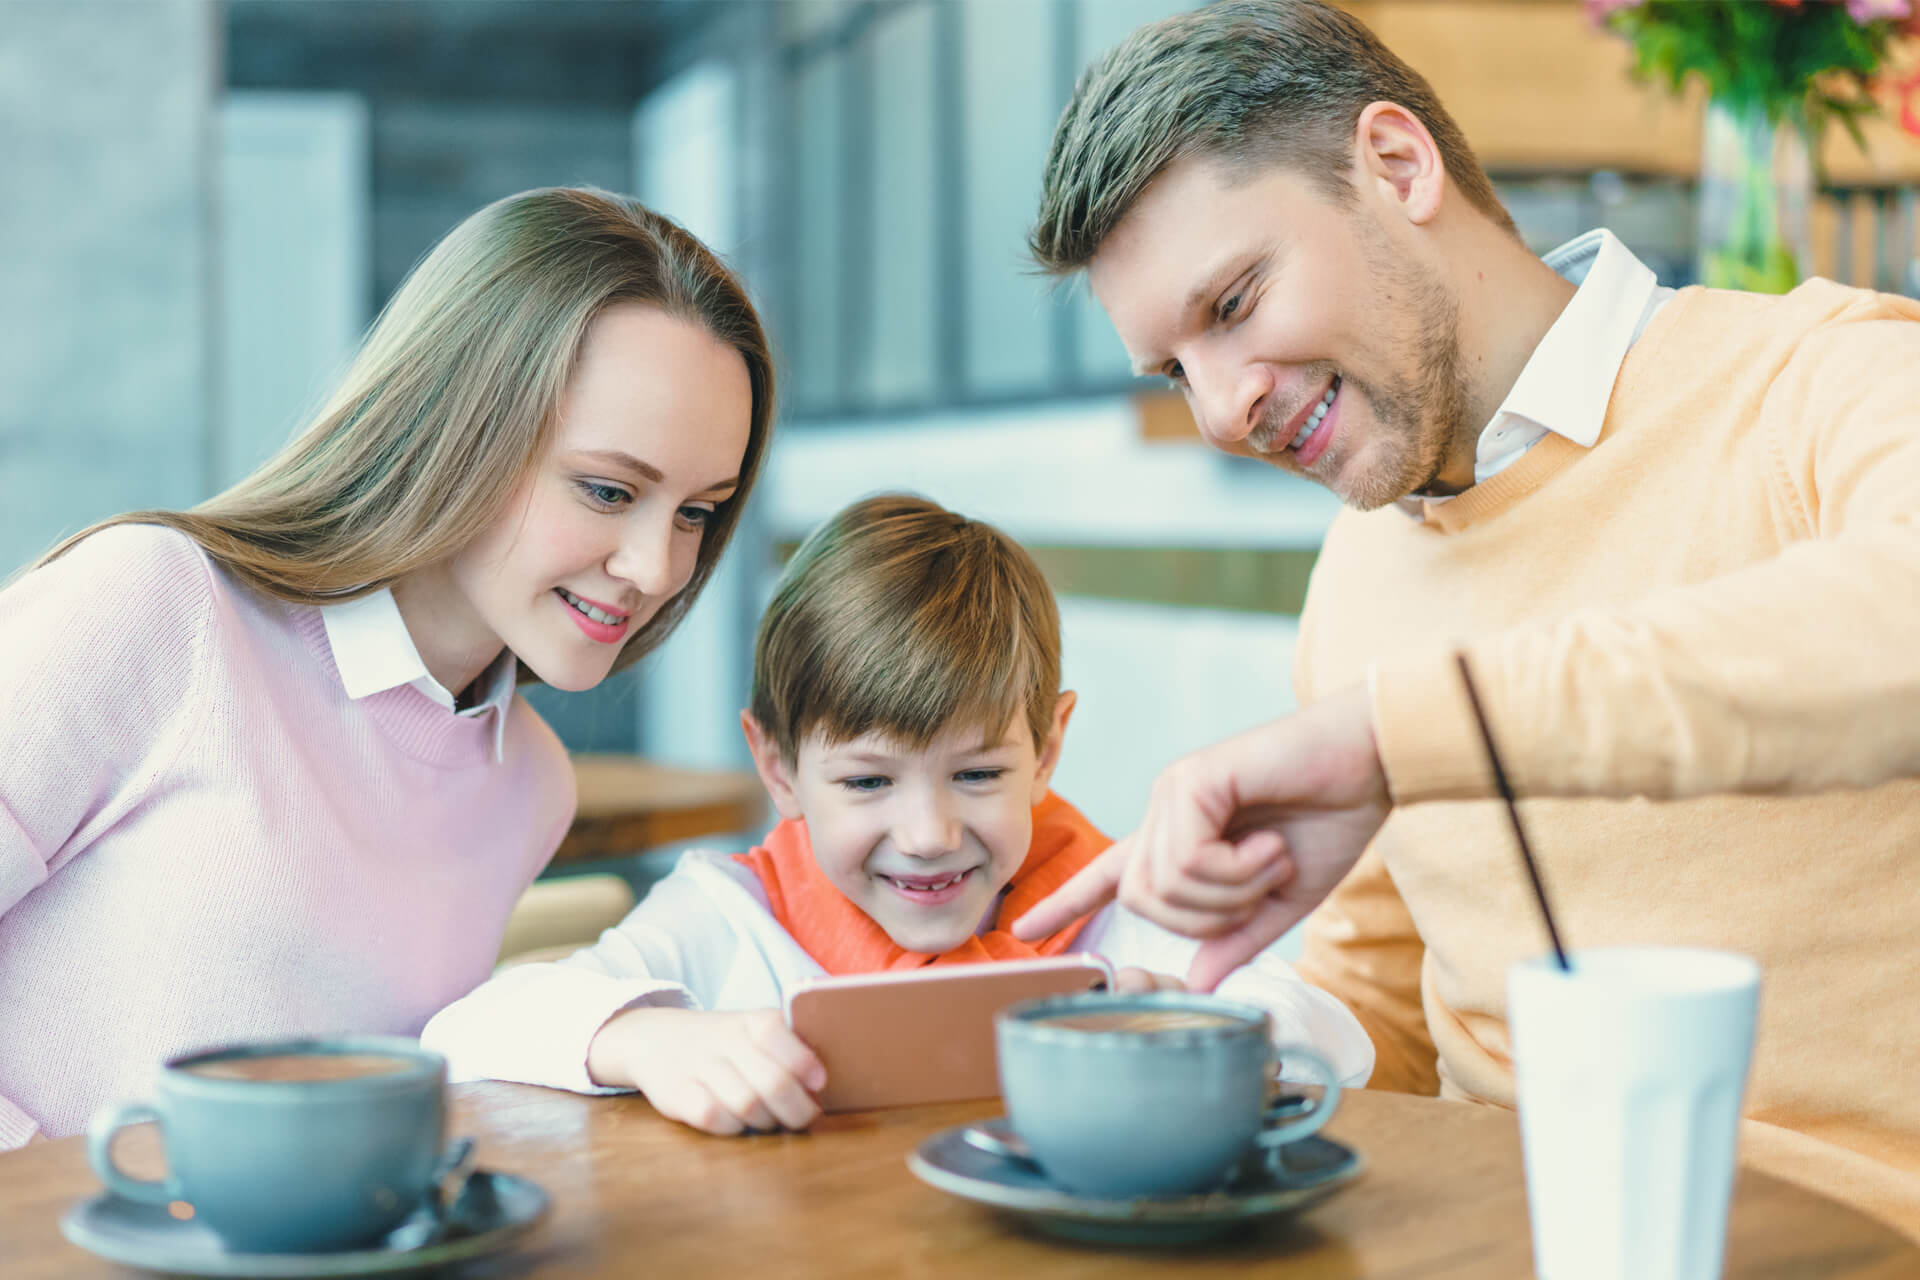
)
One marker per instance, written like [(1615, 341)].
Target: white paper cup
[(1630, 1073)]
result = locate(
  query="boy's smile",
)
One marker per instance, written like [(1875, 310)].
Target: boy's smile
[(921, 839)]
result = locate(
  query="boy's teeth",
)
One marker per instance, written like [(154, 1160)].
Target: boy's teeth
[(925, 886)]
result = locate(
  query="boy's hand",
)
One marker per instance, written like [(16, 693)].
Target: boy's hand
[(1131, 982), (722, 1073)]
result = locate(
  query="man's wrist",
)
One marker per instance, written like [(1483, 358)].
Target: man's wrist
[(1424, 731)]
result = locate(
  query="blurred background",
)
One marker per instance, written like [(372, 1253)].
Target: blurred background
[(206, 202)]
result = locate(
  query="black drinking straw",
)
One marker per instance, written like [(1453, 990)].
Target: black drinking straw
[(1513, 814)]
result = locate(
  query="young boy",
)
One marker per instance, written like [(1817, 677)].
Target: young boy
[(906, 717)]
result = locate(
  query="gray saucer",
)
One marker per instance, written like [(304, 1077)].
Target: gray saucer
[(1298, 1175), (147, 1236)]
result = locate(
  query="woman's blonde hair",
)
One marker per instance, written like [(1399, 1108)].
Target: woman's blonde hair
[(452, 399), (900, 617)]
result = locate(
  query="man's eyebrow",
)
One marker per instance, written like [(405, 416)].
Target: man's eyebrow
[(621, 458), (1227, 270)]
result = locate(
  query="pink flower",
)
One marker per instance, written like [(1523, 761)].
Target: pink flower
[(1600, 10), (1865, 11), (1909, 91)]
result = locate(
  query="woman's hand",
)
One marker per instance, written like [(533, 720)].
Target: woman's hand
[(723, 1073)]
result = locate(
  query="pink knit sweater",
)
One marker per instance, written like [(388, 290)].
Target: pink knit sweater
[(202, 839)]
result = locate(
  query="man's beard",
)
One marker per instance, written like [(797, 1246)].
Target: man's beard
[(1421, 415)]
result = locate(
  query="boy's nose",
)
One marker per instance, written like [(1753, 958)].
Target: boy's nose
[(928, 832)]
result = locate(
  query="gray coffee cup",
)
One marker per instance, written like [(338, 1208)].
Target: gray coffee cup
[(293, 1147), (1162, 1094)]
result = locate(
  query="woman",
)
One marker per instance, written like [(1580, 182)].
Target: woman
[(262, 769)]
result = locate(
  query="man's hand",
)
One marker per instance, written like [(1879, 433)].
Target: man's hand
[(1242, 839), (1134, 982), (723, 1073)]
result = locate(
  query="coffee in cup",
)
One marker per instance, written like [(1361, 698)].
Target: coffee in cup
[(291, 1147), (1158, 1094)]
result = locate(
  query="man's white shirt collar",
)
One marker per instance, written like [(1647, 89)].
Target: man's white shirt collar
[(1569, 379), (374, 652)]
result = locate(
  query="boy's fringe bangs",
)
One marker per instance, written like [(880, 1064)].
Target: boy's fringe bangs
[(907, 689)]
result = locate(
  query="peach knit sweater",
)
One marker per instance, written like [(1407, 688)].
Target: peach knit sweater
[(1722, 596)]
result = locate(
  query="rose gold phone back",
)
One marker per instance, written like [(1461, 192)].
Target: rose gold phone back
[(929, 1040)]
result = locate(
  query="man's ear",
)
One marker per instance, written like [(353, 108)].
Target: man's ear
[(1401, 159), (775, 772), (1050, 749)]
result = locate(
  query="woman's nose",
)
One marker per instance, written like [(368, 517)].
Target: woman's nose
[(645, 558)]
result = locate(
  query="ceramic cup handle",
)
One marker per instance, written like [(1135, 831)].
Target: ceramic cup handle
[(1301, 1124), (101, 1132)]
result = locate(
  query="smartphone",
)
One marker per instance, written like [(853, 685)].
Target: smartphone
[(902, 1038)]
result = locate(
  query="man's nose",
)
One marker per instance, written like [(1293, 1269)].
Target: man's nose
[(1228, 401)]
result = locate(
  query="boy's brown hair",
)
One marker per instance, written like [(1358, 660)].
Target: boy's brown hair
[(900, 617), (1250, 83)]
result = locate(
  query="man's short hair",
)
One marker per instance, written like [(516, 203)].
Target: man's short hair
[(900, 617), (1251, 83)]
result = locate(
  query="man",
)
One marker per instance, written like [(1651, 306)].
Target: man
[(1677, 537)]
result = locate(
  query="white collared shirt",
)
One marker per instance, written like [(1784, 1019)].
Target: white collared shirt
[(375, 652), (1568, 380)]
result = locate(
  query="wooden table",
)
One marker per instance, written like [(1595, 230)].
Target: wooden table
[(635, 1195), (629, 805)]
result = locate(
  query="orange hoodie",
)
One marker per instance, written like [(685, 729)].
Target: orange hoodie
[(844, 939)]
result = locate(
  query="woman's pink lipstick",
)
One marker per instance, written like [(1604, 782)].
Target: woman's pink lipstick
[(604, 632)]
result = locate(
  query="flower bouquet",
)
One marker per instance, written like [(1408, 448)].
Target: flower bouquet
[(1777, 72)]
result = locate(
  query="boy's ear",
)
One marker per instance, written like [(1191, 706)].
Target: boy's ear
[(775, 774), (1050, 749)]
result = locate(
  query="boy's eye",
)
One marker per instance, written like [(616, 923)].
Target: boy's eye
[(866, 782), (979, 775)]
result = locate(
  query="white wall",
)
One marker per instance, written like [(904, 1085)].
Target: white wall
[(295, 259)]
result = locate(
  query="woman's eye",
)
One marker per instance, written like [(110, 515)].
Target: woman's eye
[(698, 517), (869, 783), (1176, 376), (1231, 306), (605, 495)]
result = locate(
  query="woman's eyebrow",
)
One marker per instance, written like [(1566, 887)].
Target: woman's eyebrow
[(621, 458)]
